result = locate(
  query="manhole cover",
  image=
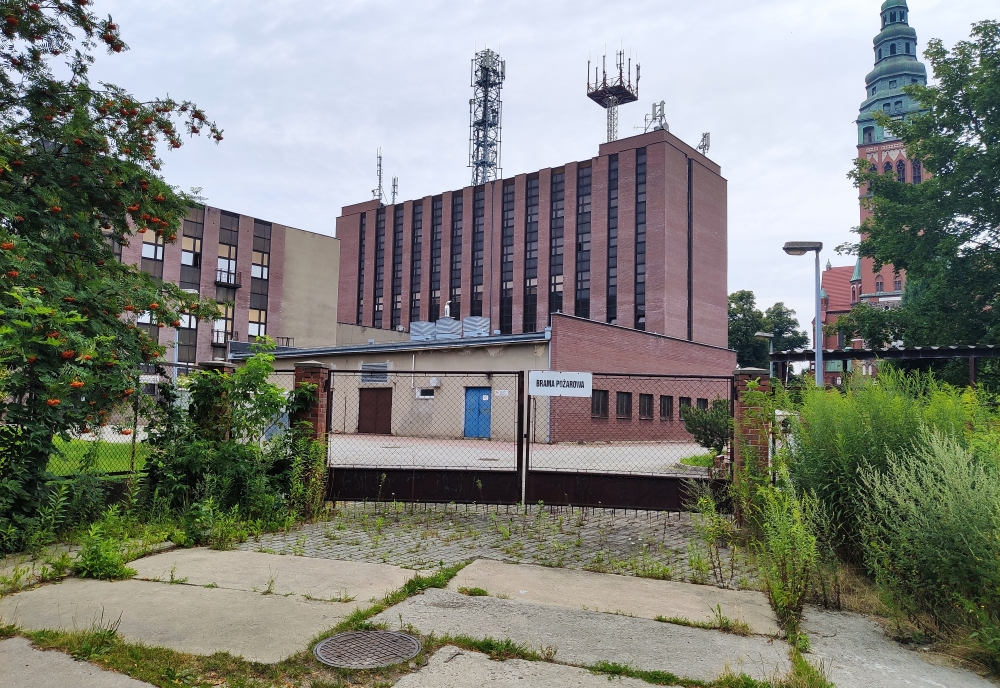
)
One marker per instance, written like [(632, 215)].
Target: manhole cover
[(366, 649)]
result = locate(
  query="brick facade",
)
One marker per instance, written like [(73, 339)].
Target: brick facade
[(686, 244)]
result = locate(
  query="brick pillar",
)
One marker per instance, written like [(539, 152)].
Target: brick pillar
[(318, 374), (757, 434)]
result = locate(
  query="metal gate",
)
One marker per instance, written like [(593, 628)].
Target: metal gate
[(426, 436), (475, 437), (625, 447)]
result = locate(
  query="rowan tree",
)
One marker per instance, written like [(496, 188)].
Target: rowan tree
[(79, 175)]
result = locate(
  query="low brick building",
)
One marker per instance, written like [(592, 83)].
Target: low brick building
[(629, 402)]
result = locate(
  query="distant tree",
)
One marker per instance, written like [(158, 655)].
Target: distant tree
[(780, 321), (744, 322)]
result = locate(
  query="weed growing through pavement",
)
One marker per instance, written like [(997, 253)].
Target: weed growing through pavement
[(474, 592), (644, 544)]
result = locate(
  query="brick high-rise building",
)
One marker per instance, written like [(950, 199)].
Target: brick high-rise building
[(896, 66), (635, 236), (278, 281)]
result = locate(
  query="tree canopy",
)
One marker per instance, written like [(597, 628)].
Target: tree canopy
[(745, 320), (79, 175), (944, 232)]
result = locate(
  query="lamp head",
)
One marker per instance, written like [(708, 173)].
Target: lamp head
[(800, 248), (763, 335)]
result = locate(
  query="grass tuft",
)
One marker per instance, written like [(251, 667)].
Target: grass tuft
[(474, 592)]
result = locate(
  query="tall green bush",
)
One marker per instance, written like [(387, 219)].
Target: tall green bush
[(227, 456), (841, 433), (932, 532)]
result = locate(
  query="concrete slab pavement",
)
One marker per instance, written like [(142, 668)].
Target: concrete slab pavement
[(23, 665), (857, 654), (263, 628), (641, 597), (451, 667), (585, 637), (322, 579)]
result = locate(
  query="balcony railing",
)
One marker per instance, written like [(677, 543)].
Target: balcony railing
[(227, 278), (221, 337)]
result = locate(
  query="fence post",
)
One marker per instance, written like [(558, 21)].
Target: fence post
[(755, 436), (316, 373)]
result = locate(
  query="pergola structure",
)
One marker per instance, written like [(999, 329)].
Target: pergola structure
[(971, 352)]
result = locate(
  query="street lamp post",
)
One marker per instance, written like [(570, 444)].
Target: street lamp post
[(769, 336), (800, 248)]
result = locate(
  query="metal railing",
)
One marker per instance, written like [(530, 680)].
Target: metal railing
[(228, 278)]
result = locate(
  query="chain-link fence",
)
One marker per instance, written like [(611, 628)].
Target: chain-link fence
[(117, 442), (427, 420), (631, 424)]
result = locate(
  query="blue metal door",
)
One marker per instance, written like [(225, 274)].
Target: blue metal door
[(477, 411)]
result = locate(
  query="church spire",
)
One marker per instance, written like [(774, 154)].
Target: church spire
[(896, 66)]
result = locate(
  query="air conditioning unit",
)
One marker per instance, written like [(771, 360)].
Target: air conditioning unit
[(435, 382)]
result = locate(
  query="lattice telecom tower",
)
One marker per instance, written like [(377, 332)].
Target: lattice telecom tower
[(609, 94), (488, 72), (377, 192)]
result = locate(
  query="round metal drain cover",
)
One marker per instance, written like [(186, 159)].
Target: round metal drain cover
[(366, 649)]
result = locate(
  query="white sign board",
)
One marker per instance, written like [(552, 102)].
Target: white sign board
[(549, 383)]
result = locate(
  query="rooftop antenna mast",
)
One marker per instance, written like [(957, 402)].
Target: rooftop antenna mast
[(378, 193), (395, 189), (488, 74), (618, 90), (706, 143)]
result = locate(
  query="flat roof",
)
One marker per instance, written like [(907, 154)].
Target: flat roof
[(243, 351)]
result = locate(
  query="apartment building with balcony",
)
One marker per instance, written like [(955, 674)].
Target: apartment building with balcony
[(270, 279)]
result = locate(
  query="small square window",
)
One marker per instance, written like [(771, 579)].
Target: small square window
[(684, 401), (666, 407), (646, 406), (623, 404), (599, 403), (703, 404), (892, 84), (425, 393)]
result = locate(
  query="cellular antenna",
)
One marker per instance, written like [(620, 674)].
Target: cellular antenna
[(488, 73), (706, 142), (618, 90), (377, 192), (395, 189)]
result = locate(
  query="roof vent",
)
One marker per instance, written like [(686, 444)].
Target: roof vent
[(374, 373), (421, 331), (447, 328), (476, 326)]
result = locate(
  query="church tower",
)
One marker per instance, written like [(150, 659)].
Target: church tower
[(896, 66)]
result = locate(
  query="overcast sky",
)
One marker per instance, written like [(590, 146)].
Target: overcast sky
[(307, 90)]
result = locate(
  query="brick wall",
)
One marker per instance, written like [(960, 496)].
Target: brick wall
[(585, 345), (750, 434), (318, 374)]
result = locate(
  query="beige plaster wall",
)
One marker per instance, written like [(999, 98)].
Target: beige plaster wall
[(309, 295), (358, 334)]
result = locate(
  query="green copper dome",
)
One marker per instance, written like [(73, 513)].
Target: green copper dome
[(896, 66)]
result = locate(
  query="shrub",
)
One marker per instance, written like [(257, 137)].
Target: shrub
[(932, 532), (839, 434), (710, 427), (786, 553), (102, 556)]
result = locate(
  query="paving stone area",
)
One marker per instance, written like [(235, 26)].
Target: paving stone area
[(648, 544)]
